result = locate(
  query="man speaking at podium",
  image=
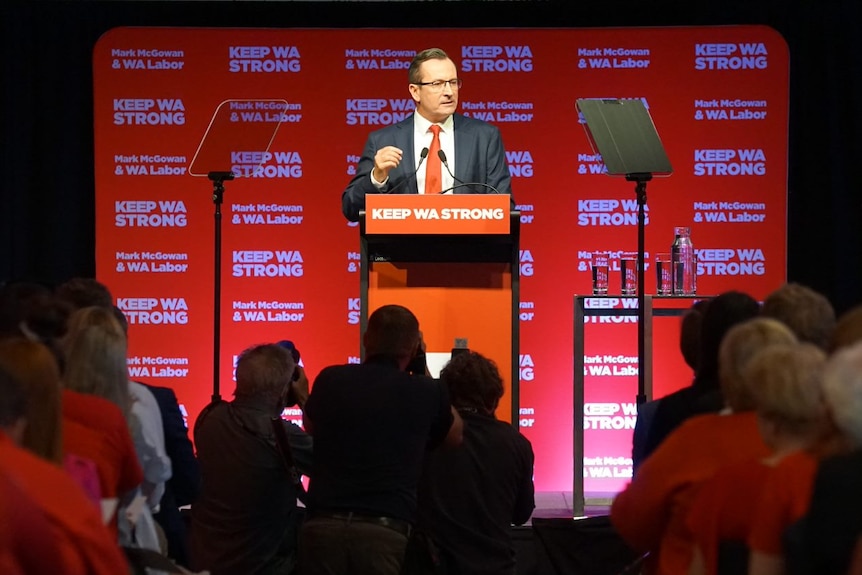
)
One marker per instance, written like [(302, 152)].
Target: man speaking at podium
[(433, 150)]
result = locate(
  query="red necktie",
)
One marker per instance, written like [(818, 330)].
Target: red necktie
[(433, 174)]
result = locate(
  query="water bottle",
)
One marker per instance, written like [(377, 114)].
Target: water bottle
[(683, 263)]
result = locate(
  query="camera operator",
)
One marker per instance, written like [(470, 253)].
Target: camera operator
[(246, 518)]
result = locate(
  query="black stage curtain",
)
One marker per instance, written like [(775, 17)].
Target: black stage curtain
[(47, 207)]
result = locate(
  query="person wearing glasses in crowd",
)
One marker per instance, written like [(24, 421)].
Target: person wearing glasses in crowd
[(405, 158)]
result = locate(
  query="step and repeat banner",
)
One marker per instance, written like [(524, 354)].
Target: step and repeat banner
[(718, 97)]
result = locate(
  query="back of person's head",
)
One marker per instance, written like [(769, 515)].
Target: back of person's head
[(848, 329), (13, 401), (724, 311), (474, 382), (95, 354), (842, 391), (689, 333), (393, 331), (31, 309), (84, 292), (741, 343), (786, 385), (263, 373), (805, 311), (35, 368)]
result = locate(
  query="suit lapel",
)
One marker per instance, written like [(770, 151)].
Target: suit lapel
[(404, 141), (464, 146)]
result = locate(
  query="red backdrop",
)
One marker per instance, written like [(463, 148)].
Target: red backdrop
[(718, 97)]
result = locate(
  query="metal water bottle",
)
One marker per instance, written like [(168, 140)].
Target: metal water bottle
[(683, 263)]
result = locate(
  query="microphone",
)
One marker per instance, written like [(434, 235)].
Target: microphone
[(442, 155), (422, 155)]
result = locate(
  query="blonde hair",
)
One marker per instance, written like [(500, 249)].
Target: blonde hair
[(738, 346), (35, 368), (95, 351), (842, 391), (787, 386)]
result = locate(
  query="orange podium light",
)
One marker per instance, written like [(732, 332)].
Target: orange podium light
[(437, 214)]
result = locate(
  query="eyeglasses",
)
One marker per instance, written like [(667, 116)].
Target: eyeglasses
[(437, 85)]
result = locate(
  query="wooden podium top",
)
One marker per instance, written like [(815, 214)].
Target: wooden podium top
[(447, 214)]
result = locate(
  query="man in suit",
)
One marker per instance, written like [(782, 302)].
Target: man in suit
[(395, 160), (182, 488)]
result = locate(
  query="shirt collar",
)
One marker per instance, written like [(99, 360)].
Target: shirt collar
[(421, 124)]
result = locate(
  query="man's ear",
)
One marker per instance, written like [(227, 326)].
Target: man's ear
[(414, 92)]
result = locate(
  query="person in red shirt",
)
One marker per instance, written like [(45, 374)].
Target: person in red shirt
[(651, 513), (790, 414), (83, 545)]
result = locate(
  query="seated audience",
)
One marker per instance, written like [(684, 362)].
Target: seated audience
[(786, 394), (35, 368), (32, 311), (470, 497), (806, 312), (96, 403), (703, 395), (651, 513), (78, 542), (183, 486), (246, 519), (833, 523), (689, 346)]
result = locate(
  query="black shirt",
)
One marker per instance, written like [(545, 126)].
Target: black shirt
[(372, 424), (471, 495), (245, 519)]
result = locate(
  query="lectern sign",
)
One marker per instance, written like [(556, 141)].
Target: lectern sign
[(437, 214)]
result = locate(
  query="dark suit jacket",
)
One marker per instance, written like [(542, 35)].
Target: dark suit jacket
[(183, 486), (479, 157)]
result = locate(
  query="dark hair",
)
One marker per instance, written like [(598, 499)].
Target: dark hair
[(473, 381), (689, 333), (723, 312), (430, 54), (34, 305), (85, 292), (392, 330)]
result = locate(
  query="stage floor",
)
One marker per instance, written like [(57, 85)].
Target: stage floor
[(560, 504)]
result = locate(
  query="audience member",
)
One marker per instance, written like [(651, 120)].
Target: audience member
[(371, 423), (163, 446), (689, 346), (806, 312), (492, 470), (703, 395), (651, 513), (246, 519), (35, 368), (31, 310), (96, 402), (785, 389), (848, 329), (147, 435), (83, 544), (184, 485), (834, 520), (81, 292)]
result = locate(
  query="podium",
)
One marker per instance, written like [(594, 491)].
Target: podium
[(453, 260)]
